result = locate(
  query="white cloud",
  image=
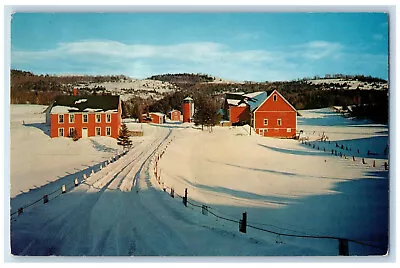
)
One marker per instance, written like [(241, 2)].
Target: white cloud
[(317, 50), (143, 60)]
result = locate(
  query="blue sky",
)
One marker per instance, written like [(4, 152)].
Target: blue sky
[(234, 46)]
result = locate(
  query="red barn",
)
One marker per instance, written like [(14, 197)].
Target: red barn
[(270, 115), (275, 117), (87, 115), (157, 118), (175, 115)]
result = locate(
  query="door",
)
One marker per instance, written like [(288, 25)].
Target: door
[(262, 132), (84, 132)]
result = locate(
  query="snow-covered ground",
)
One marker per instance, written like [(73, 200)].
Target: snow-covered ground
[(352, 84), (144, 88), (284, 186)]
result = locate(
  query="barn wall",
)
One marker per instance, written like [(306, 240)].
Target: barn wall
[(90, 125), (176, 116), (274, 110), (239, 114), (156, 119)]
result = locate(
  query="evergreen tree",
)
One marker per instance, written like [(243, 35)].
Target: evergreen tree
[(123, 137)]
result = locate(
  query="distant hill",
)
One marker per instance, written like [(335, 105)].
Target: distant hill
[(183, 78), (27, 87)]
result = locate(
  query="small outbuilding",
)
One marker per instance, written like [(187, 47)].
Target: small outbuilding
[(157, 118), (175, 115)]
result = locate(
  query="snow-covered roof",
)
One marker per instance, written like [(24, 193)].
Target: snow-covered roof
[(63, 109), (255, 101), (233, 102), (92, 110), (253, 94), (96, 103)]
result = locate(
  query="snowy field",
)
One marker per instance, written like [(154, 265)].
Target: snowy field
[(284, 186)]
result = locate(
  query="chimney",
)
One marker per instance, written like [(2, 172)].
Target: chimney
[(75, 92)]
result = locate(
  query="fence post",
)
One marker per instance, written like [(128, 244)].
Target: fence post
[(172, 192), (185, 198), (204, 210), (243, 223), (76, 182), (45, 199), (20, 211), (343, 247)]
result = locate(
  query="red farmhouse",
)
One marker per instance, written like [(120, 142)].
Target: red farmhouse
[(157, 118), (175, 115), (271, 116), (88, 115)]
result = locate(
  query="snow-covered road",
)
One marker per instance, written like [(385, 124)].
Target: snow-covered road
[(79, 221)]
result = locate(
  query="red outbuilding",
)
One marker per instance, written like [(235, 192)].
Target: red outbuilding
[(275, 117), (87, 115), (175, 115), (157, 118)]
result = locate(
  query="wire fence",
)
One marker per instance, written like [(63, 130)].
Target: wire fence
[(343, 248), (61, 190), (345, 151)]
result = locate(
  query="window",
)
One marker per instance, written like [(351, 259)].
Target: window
[(61, 118), (265, 122), (71, 131), (85, 118), (71, 118), (98, 118), (108, 118), (61, 132), (275, 97), (289, 130), (279, 122), (98, 131), (108, 131)]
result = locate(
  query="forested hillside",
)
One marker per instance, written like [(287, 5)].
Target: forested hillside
[(339, 90)]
